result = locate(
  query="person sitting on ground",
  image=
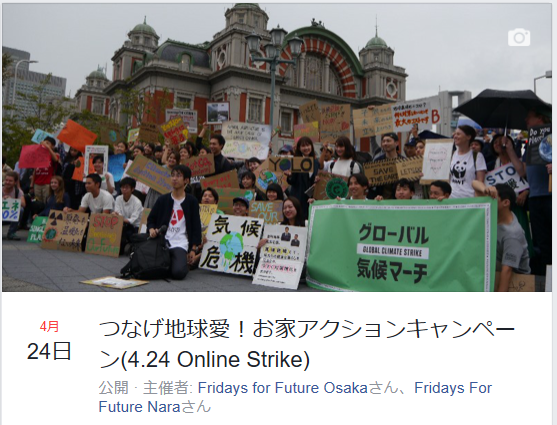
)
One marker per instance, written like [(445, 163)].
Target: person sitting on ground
[(10, 189), (240, 206), (512, 248), (179, 211), (274, 192), (96, 200), (440, 190), (107, 180), (129, 207), (58, 199)]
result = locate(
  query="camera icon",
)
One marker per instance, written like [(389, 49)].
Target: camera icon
[(519, 37)]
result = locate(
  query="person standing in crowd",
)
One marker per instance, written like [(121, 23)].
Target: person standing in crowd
[(74, 188), (149, 151), (439, 190), (420, 147), (404, 191), (240, 207), (410, 148), (129, 207), (58, 199), (42, 176), (209, 196), (152, 194), (158, 155), (137, 150), (106, 178), (216, 144), (466, 165), (247, 165), (389, 144), (358, 185), (178, 211), (10, 189), (5, 168), (346, 164), (274, 192), (184, 153), (96, 200), (248, 183), (292, 212), (326, 156)]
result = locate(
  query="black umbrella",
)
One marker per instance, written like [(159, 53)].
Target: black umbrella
[(426, 134), (503, 109)]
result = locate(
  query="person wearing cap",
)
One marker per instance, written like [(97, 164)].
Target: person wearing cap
[(286, 150), (326, 156), (477, 145), (410, 148), (240, 206)]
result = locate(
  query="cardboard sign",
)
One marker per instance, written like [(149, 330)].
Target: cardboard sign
[(37, 229), (104, 235), (410, 168), (270, 212), (231, 244), (539, 145), (218, 112), (296, 164), (40, 135), (363, 123), (310, 112), (335, 122), (264, 177), (143, 224), (90, 153), (330, 186), (245, 150), (64, 231), (141, 187), (420, 112), (205, 212), (201, 165), (151, 174), (506, 174), (437, 160), (34, 156), (310, 129), (115, 283), (189, 117), (133, 136), (381, 173), (519, 282), (110, 134), (10, 209), (228, 179), (173, 131), (382, 118), (245, 140), (116, 166), (76, 136), (227, 195), (149, 132)]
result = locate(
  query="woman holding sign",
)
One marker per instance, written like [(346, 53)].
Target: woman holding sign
[(466, 165)]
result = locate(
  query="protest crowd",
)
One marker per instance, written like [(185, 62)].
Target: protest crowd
[(192, 177)]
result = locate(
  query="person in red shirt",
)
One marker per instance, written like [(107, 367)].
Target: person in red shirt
[(42, 176)]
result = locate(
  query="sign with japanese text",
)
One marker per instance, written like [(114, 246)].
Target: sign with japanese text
[(227, 195), (37, 229), (507, 174), (133, 136), (116, 166), (264, 176), (310, 112), (111, 134), (173, 130), (437, 160), (335, 122), (40, 135), (189, 117), (149, 132), (420, 112), (330, 186), (363, 123), (381, 173), (200, 165), (34, 156), (310, 129), (76, 136), (231, 244), (104, 235), (539, 146), (409, 168), (64, 231), (278, 274), (295, 164), (10, 209), (205, 212), (228, 179), (376, 249), (90, 153), (270, 212), (382, 118), (519, 282), (151, 174)]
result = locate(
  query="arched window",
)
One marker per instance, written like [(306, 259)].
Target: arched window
[(313, 73), (335, 85)]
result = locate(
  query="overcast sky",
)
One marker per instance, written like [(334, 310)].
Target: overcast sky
[(452, 47)]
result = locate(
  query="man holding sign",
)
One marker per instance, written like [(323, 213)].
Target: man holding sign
[(216, 144)]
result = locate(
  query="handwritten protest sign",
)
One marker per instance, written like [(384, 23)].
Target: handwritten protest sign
[(149, 132), (141, 187), (245, 150), (539, 145), (201, 165), (10, 209), (282, 257), (133, 136), (64, 231), (437, 160), (189, 117), (76, 136), (231, 244), (245, 140), (381, 173), (40, 135), (382, 119), (363, 123), (507, 174), (410, 168), (295, 164), (310, 129), (34, 156), (90, 153), (228, 179), (310, 112), (151, 174), (116, 166), (173, 130), (104, 235), (264, 177), (111, 134), (271, 212), (227, 195), (406, 114), (37, 229), (143, 224), (205, 212), (335, 122), (519, 282), (330, 186)]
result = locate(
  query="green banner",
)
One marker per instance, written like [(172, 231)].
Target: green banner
[(403, 246), (37, 229)]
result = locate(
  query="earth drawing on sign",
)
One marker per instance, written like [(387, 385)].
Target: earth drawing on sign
[(230, 246)]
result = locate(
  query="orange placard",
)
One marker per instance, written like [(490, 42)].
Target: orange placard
[(76, 136)]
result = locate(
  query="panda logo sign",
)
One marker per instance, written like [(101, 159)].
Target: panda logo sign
[(458, 170)]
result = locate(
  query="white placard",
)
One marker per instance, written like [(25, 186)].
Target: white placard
[(507, 174), (437, 160), (10, 209), (189, 117), (92, 151)]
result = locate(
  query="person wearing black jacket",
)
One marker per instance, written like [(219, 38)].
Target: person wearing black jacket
[(216, 144), (178, 211)]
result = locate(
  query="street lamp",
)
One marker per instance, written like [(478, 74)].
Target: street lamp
[(547, 75), (15, 81), (272, 51)]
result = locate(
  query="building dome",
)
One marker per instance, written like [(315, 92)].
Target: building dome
[(98, 74), (376, 42), (247, 5), (144, 28)]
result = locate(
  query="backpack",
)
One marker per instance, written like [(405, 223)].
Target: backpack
[(149, 259), (352, 163)]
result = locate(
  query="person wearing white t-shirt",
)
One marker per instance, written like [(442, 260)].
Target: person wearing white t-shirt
[(129, 207), (96, 199), (107, 180), (464, 167)]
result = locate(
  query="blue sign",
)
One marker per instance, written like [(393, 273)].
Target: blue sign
[(40, 135), (116, 166)]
